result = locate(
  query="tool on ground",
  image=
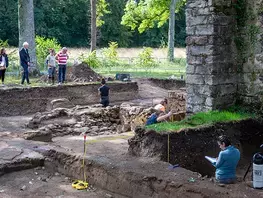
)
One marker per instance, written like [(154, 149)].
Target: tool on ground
[(79, 184)]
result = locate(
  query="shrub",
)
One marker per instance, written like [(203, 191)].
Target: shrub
[(110, 55), (91, 60), (145, 58), (42, 49), (4, 43)]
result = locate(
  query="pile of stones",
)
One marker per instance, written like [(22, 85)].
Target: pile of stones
[(92, 120)]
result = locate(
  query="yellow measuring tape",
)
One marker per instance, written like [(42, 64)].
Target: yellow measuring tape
[(79, 184)]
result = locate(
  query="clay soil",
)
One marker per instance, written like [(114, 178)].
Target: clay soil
[(187, 149), (41, 183)]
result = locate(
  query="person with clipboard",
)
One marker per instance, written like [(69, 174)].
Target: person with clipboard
[(226, 162)]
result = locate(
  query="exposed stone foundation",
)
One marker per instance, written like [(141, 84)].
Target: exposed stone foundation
[(23, 101)]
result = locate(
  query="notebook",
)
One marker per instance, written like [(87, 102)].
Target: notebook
[(211, 159)]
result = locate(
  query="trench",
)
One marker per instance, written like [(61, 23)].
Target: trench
[(188, 147)]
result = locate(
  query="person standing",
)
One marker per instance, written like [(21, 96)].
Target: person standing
[(104, 92), (3, 64), (62, 59), (227, 161), (25, 62), (51, 62)]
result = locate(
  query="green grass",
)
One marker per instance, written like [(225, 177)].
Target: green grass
[(200, 119), (143, 74), (16, 80)]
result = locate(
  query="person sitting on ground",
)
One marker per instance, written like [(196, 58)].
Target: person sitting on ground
[(51, 62), (161, 106), (158, 116), (104, 92), (227, 161)]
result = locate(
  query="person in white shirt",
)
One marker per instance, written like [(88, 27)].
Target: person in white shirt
[(3, 64), (161, 106), (51, 63)]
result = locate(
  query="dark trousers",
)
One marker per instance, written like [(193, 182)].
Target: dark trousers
[(105, 101), (25, 74), (61, 73), (2, 74)]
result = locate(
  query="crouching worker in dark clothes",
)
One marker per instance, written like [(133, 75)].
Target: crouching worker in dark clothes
[(158, 116), (104, 91)]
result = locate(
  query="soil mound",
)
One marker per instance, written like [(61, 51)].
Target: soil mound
[(77, 73), (82, 73)]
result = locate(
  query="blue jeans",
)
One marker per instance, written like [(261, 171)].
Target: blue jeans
[(25, 74), (51, 72), (61, 73)]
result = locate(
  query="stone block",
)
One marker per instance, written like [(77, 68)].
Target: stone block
[(201, 50), (199, 20), (196, 99), (190, 69), (195, 60), (195, 79), (190, 30), (204, 30), (220, 79), (199, 3), (196, 40)]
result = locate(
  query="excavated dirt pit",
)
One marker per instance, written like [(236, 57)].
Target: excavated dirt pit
[(188, 147), (42, 183), (58, 145)]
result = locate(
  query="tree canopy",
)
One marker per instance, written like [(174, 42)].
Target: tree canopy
[(147, 14), (68, 22)]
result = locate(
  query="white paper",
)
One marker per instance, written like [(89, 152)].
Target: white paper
[(210, 159)]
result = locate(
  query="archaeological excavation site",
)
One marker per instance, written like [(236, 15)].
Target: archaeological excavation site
[(54, 136)]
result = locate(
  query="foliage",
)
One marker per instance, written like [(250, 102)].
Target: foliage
[(42, 48), (68, 22), (145, 58), (147, 13), (199, 119), (91, 60), (111, 52), (102, 9), (112, 30), (4, 44)]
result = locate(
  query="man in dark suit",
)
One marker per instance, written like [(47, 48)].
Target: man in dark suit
[(24, 61)]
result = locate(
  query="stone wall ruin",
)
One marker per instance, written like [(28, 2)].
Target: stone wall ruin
[(224, 53)]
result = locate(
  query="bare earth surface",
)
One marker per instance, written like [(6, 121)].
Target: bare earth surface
[(39, 183), (108, 164)]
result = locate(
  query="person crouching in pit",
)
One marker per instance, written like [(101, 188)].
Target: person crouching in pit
[(227, 161), (104, 92), (158, 116)]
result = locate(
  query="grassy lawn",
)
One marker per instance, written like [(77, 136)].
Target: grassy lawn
[(16, 80), (143, 74), (199, 119)]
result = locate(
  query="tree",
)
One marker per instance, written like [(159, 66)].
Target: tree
[(149, 13), (93, 34), (26, 26), (171, 31), (98, 10)]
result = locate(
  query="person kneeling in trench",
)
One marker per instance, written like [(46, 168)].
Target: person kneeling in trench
[(227, 161), (158, 116)]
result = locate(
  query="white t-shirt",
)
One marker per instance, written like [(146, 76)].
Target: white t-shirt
[(3, 62), (51, 61)]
